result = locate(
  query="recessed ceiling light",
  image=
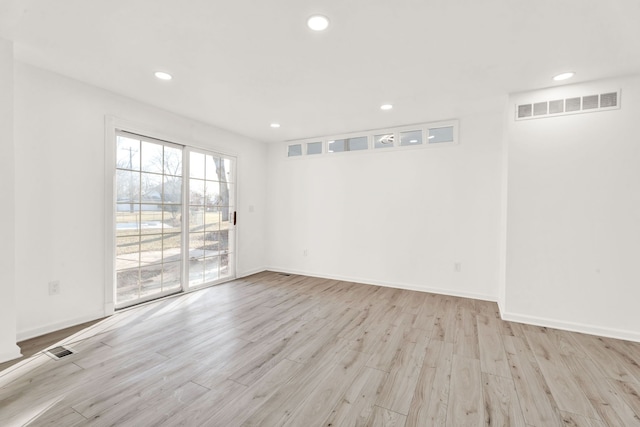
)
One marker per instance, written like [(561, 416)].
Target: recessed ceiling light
[(386, 107), (563, 76), (163, 76), (275, 125), (318, 22)]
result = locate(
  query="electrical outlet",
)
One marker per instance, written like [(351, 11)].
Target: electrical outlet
[(54, 287), (457, 267)]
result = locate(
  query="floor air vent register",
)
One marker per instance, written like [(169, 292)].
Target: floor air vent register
[(573, 105), (59, 352)]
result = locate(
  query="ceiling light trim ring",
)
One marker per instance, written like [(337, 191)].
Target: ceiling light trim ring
[(318, 22), (564, 76), (163, 75)]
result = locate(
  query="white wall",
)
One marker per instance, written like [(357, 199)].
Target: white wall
[(8, 348), (574, 215), (60, 201), (400, 218)]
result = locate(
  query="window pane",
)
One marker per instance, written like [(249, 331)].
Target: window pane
[(359, 143), (171, 248), (212, 221), (172, 161), (150, 188), (227, 194), (223, 241), (211, 170), (150, 217), (336, 146), (226, 266), (348, 144), (152, 157), (226, 217), (196, 272), (127, 252), (211, 269), (172, 190), (196, 165), (226, 172), (172, 219), (127, 207), (211, 242), (212, 194), (196, 192), (127, 283), (314, 148), (127, 186), (127, 223), (127, 153), (170, 276), (196, 245), (444, 134), (151, 249), (412, 137), (217, 168), (150, 280), (295, 150), (383, 141), (196, 219)]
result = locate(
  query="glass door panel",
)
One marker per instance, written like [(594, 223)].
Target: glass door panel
[(148, 219), (211, 218)]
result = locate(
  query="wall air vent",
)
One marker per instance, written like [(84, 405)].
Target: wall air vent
[(609, 100), (540, 108), (573, 105), (556, 107), (560, 107)]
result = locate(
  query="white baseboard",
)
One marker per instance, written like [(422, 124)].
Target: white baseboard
[(250, 272), (10, 354), (56, 326), (573, 327), (407, 286)]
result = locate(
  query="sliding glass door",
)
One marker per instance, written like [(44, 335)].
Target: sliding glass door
[(155, 256)]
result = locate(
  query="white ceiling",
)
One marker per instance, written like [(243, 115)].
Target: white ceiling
[(241, 65)]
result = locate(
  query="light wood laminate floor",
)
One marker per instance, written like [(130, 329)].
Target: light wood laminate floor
[(276, 350)]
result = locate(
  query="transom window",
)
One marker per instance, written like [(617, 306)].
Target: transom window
[(425, 135)]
